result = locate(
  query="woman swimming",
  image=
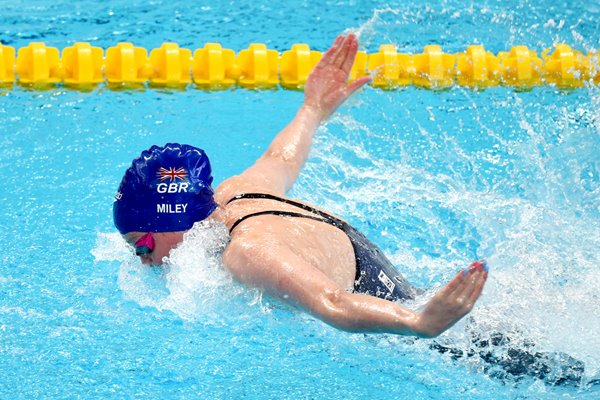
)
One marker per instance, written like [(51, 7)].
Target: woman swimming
[(291, 250)]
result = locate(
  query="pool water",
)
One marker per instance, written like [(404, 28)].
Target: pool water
[(436, 178)]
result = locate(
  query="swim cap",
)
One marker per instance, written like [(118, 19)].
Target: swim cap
[(166, 189)]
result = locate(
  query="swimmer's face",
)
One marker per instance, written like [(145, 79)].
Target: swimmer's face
[(163, 242)]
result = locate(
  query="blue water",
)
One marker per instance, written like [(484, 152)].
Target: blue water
[(435, 178)]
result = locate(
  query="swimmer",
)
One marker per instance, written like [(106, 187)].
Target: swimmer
[(289, 249)]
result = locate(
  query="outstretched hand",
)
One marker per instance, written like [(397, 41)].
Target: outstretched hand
[(327, 86), (454, 301)]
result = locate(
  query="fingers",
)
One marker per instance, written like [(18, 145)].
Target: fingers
[(472, 283), (477, 289), (330, 55), (357, 84), (473, 287), (463, 282), (351, 56), (347, 54), (342, 52), (454, 284)]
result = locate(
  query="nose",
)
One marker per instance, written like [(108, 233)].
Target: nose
[(146, 259)]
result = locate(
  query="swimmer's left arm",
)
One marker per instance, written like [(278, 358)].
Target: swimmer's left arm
[(326, 89), (284, 274)]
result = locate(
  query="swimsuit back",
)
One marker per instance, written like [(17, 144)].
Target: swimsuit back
[(375, 274)]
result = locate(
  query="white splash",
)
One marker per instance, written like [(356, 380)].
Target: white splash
[(542, 246), (193, 283)]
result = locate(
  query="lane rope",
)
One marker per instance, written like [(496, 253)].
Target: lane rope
[(213, 67)]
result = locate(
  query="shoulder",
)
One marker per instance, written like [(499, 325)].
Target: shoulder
[(239, 184), (254, 261), (247, 247), (263, 176), (227, 189), (240, 251)]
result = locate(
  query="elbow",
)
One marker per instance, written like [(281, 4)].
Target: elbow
[(352, 313), (286, 156), (336, 310)]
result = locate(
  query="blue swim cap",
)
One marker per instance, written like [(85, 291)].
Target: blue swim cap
[(166, 189)]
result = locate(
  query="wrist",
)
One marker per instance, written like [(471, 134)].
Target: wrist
[(312, 112), (422, 328)]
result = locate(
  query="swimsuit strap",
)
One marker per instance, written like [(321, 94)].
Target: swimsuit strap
[(305, 207), (282, 213), (329, 219)]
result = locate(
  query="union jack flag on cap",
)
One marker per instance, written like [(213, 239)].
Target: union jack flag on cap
[(172, 174)]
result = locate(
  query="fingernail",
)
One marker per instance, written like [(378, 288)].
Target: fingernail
[(465, 272), (485, 266)]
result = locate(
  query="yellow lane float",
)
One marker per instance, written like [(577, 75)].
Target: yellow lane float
[(521, 67), (170, 65), (477, 68), (82, 64), (434, 68), (126, 64), (296, 64), (7, 64), (213, 67), (566, 67), (359, 69), (38, 64), (258, 67), (386, 66)]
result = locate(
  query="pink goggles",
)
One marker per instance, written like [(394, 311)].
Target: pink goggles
[(144, 245)]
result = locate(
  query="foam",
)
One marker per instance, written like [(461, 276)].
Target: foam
[(192, 283)]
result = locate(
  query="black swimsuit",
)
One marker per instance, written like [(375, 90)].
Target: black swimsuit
[(375, 274)]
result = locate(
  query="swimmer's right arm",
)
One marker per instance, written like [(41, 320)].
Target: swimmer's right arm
[(281, 273), (361, 313), (326, 89)]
